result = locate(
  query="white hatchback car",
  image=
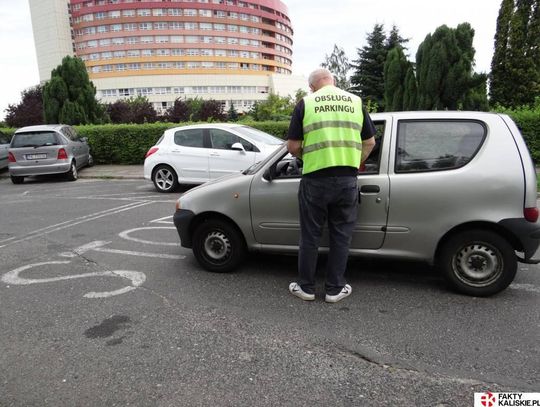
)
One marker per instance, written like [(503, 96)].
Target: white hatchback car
[(198, 153)]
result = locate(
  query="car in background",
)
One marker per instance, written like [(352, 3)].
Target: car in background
[(198, 153), (47, 149), (4, 145), (456, 190)]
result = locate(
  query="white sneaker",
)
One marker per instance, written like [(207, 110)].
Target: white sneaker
[(345, 292), (296, 290)]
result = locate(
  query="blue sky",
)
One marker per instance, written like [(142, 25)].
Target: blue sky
[(317, 24)]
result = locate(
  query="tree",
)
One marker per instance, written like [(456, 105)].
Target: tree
[(211, 110), (445, 62), (395, 39), (396, 68), (367, 80), (299, 95), (500, 82), (119, 112), (232, 114), (410, 94), (275, 107), (29, 111), (339, 65), (178, 112), (133, 110), (515, 67), (69, 96), (142, 111)]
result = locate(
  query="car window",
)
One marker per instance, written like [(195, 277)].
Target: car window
[(73, 133), (224, 140), (372, 164), (258, 135), (437, 145), (189, 138), (34, 139)]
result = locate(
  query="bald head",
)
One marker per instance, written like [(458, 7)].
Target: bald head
[(319, 78)]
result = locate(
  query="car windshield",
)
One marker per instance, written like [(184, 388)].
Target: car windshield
[(34, 139), (255, 167), (258, 135)]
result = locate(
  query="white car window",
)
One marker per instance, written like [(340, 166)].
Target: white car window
[(190, 138)]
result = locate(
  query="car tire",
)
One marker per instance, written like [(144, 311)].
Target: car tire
[(16, 180), (90, 162), (165, 179), (478, 262), (72, 174), (218, 246)]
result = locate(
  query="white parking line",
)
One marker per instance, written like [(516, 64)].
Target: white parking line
[(525, 287), (125, 235), (137, 278), (70, 223)]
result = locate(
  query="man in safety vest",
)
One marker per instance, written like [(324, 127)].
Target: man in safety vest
[(332, 133)]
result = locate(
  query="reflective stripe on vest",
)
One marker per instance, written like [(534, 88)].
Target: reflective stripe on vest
[(332, 125)]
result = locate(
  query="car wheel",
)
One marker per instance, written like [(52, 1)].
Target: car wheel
[(16, 180), (72, 174), (165, 179), (218, 246), (90, 162), (478, 262)]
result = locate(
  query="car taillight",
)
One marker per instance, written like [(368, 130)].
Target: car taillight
[(531, 214), (11, 158), (151, 151), (62, 155)]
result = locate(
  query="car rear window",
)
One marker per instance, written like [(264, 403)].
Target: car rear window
[(424, 145), (34, 139)]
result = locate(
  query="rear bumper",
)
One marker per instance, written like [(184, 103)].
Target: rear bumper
[(528, 235), (182, 219), (29, 170)]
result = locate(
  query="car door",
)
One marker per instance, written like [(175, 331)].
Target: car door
[(274, 203), (189, 154), (82, 148), (4, 145), (223, 158)]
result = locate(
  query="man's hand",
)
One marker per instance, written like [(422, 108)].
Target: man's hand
[(295, 148), (367, 146)]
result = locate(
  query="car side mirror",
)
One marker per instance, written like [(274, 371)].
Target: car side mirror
[(84, 139), (270, 173), (237, 147)]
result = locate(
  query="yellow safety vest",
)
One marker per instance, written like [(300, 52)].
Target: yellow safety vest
[(332, 125)]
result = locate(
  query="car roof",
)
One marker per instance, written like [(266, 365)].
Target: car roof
[(208, 125), (433, 114), (41, 127)]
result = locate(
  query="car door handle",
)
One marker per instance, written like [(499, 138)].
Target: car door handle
[(370, 189)]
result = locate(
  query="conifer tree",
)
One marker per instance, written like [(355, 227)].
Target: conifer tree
[(367, 80), (69, 96), (500, 82)]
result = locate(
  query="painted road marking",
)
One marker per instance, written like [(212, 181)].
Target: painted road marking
[(163, 220), (137, 278), (125, 235), (98, 246), (72, 222), (525, 287)]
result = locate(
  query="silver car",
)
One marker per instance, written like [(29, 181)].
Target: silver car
[(47, 149), (4, 144), (454, 189)]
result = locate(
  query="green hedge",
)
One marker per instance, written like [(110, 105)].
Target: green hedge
[(128, 143), (528, 122)]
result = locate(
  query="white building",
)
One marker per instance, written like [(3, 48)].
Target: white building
[(227, 50)]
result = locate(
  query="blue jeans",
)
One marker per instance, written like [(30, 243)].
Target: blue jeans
[(332, 200)]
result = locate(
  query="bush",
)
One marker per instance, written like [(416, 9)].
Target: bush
[(528, 121)]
